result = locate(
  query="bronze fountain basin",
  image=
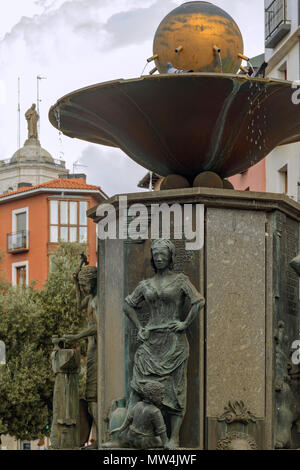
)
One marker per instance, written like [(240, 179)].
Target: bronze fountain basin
[(184, 123)]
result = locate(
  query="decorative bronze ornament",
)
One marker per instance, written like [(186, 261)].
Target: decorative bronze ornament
[(199, 36), (237, 441), (237, 412)]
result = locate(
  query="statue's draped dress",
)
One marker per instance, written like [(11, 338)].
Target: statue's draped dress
[(163, 356), (91, 374)]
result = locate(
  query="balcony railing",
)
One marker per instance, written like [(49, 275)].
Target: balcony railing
[(18, 241), (276, 23)]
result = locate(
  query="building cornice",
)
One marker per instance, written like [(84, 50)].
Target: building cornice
[(283, 50), (30, 164), (95, 192), (210, 197)]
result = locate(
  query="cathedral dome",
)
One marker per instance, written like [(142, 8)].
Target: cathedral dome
[(32, 152)]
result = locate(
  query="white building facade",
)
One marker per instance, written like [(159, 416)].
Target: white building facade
[(30, 165), (282, 53)]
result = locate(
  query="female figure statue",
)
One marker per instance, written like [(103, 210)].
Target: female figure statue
[(164, 351), (86, 289)]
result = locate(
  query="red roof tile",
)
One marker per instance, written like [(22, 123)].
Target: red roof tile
[(59, 183)]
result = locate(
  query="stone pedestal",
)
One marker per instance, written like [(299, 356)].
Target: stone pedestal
[(243, 272)]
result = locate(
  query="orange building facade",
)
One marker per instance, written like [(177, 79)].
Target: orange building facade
[(34, 219), (254, 179)]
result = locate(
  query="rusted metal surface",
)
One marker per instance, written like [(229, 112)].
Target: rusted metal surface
[(198, 36), (184, 123)]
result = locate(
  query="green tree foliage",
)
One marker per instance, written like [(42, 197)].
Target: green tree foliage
[(28, 320), (25, 377), (3, 282), (59, 296)]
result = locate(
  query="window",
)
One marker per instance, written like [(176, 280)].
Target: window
[(18, 240), (68, 221), (20, 274), (283, 179), (20, 219), (282, 71)]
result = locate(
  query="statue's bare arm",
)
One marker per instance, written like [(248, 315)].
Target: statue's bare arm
[(194, 311), (131, 314), (89, 331), (143, 333), (79, 295)]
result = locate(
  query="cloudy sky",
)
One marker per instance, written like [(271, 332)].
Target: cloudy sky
[(76, 43)]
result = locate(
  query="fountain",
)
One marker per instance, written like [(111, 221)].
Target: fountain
[(197, 126), (187, 123)]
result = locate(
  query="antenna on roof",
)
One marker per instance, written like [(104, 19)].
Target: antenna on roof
[(76, 164), (19, 130), (19, 114), (38, 100)]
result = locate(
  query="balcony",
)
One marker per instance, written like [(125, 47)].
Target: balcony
[(18, 241), (277, 26)]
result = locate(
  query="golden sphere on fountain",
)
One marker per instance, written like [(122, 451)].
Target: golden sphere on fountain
[(198, 36)]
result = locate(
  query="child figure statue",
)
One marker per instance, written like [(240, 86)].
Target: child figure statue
[(147, 428)]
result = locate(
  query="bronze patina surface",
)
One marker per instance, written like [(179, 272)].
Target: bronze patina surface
[(85, 279), (163, 351), (184, 123), (187, 35)]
